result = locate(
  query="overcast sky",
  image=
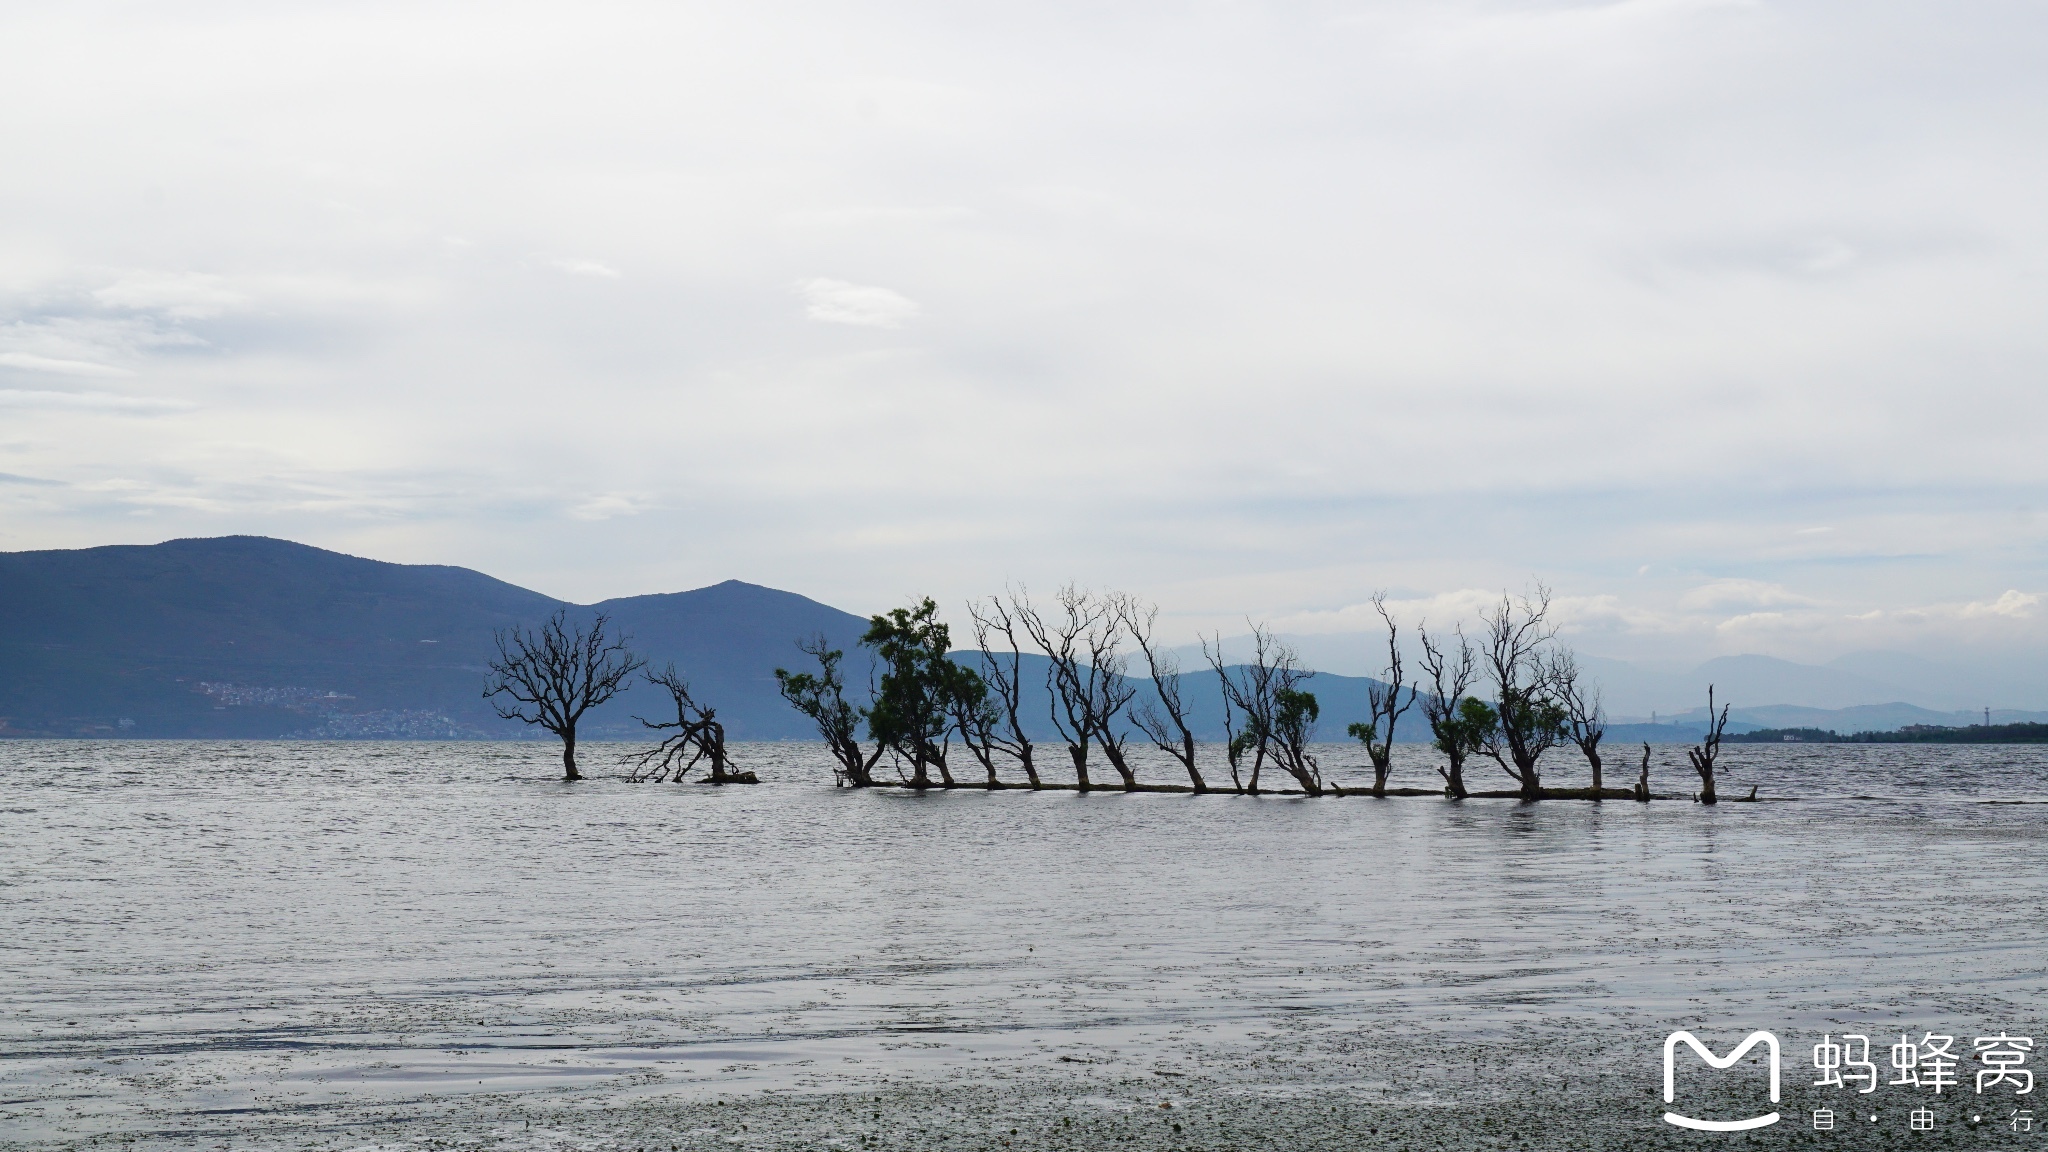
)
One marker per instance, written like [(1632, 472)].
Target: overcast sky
[(1726, 319)]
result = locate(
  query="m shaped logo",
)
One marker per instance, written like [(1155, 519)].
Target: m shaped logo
[(1671, 1043)]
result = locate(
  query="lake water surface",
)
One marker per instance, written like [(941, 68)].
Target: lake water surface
[(323, 944)]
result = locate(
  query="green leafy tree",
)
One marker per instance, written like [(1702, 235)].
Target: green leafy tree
[(821, 695), (910, 711), (1530, 719), (1294, 727)]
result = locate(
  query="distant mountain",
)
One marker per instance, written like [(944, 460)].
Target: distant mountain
[(248, 636), (729, 639), (1636, 689), (244, 636)]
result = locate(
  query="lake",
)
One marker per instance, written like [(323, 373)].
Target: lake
[(286, 945)]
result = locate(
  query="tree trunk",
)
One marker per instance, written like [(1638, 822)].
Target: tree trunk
[(1080, 754), (1593, 758), (1454, 780), (1194, 773), (1030, 768), (1707, 787), (569, 754), (1381, 769), (1122, 766)]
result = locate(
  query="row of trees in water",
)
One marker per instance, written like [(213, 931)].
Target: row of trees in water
[(924, 703), (1507, 696)]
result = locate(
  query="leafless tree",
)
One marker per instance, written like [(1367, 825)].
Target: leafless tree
[(696, 738), (1069, 677), (1452, 675), (1530, 721), (1384, 700), (1585, 720), (1003, 671), (1703, 756), (1235, 741), (821, 695), (1247, 722), (1169, 733), (1643, 782), (1109, 692), (553, 676)]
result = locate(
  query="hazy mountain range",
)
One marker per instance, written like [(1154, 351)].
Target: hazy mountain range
[(1863, 691), (252, 637)]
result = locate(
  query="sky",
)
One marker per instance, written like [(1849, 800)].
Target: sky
[(1721, 319)]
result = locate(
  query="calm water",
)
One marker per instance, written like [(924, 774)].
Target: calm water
[(207, 930)]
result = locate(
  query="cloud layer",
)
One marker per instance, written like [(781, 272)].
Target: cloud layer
[(1720, 316)]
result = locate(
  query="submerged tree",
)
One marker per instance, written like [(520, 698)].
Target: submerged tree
[(975, 718), (553, 676), (1585, 720), (1170, 732), (1070, 679), (1278, 718), (1003, 673), (1109, 692), (696, 737), (1458, 723), (1529, 720), (1383, 699), (1294, 728), (821, 695), (1703, 756), (910, 714)]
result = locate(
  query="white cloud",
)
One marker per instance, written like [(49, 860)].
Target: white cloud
[(587, 268), (18, 398), (609, 505), (183, 295), (2012, 603), (59, 366), (838, 302), (1741, 594)]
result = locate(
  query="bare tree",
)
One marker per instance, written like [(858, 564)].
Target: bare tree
[(1383, 699), (1109, 692), (1643, 782), (1458, 731), (1003, 672), (1244, 695), (1584, 718), (821, 695), (1169, 733), (1703, 756), (1069, 678), (696, 738), (553, 676), (1529, 720), (1235, 742)]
